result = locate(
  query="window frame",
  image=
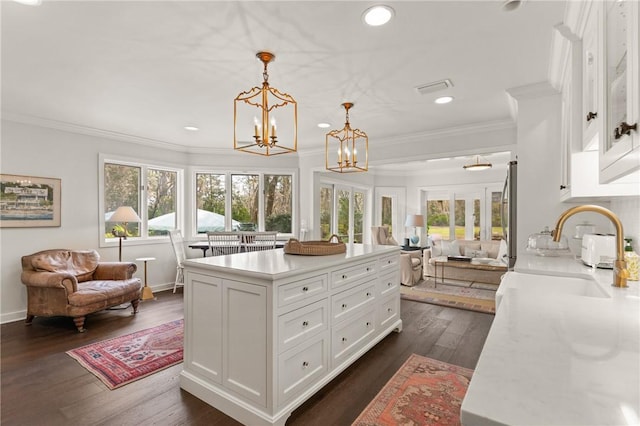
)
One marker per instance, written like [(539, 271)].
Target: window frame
[(144, 166), (261, 172)]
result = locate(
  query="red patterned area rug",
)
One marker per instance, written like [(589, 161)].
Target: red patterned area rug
[(423, 392), (125, 359)]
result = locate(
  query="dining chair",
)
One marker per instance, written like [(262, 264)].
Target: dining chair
[(178, 249), (224, 242), (256, 241)]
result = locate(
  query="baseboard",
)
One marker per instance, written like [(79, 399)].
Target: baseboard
[(22, 314)]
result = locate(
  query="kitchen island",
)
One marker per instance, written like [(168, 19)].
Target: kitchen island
[(563, 349), (266, 330)]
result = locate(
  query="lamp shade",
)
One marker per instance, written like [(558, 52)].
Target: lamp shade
[(124, 214), (414, 220)]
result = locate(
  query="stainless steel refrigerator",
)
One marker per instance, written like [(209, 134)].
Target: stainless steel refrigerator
[(508, 213)]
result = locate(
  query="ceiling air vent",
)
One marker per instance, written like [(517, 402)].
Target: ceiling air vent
[(434, 86)]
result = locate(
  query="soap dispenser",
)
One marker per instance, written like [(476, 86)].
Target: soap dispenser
[(632, 260)]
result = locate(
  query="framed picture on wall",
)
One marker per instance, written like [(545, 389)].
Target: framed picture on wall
[(29, 201)]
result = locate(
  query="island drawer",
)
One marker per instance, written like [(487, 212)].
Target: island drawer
[(299, 325), (389, 283), (301, 367), (349, 301), (345, 276), (301, 290), (349, 336), (389, 310)]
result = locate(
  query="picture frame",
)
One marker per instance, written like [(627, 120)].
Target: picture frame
[(29, 201)]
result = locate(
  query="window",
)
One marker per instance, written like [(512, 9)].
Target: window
[(244, 202), (210, 202), (326, 212), (152, 191), (278, 203), (464, 213)]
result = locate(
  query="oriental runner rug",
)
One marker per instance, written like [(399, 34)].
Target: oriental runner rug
[(471, 296), (423, 392), (128, 358)]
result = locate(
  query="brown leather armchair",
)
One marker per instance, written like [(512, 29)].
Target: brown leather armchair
[(410, 261), (75, 283)]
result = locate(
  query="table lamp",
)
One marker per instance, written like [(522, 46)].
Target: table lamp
[(124, 214), (415, 220)]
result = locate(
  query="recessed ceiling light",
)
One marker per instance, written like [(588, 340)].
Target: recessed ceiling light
[(443, 99), (324, 125), (29, 2), (378, 15), (191, 128)]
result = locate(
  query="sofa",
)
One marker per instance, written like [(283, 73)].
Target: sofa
[(75, 283), (410, 261), (487, 272)]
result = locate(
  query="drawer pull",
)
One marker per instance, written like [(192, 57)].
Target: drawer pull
[(305, 289), (388, 262), (368, 269), (389, 284), (368, 323), (344, 277), (305, 364), (305, 323), (368, 294), (344, 339), (344, 306), (389, 310)]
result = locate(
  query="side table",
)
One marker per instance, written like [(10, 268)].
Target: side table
[(147, 294)]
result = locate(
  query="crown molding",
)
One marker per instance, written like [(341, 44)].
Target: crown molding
[(108, 134), (532, 91), (463, 130)]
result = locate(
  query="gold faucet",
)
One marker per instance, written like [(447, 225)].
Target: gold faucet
[(620, 272)]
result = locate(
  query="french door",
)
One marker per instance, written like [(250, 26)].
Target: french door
[(343, 212)]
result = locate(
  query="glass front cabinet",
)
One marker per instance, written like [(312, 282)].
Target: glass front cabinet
[(619, 143)]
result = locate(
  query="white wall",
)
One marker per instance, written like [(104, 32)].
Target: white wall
[(37, 151)]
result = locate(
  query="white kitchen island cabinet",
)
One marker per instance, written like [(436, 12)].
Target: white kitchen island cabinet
[(266, 330)]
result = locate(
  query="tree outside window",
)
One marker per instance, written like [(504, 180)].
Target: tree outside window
[(121, 188), (277, 203)]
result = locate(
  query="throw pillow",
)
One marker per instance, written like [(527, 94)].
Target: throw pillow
[(436, 249), (475, 253), (391, 241), (450, 248)]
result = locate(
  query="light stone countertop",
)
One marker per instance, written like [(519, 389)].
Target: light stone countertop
[(554, 358), (275, 264)]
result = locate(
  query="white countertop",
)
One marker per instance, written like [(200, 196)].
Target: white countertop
[(276, 264), (558, 359)]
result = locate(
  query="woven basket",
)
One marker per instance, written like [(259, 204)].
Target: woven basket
[(315, 248)]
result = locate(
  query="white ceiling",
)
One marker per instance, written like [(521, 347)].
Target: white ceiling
[(148, 68)]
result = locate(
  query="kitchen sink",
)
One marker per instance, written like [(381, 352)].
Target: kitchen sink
[(552, 284)]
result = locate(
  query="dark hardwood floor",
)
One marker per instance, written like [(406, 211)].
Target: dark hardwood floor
[(41, 385)]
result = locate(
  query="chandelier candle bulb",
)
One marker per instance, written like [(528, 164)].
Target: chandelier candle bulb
[(273, 127)]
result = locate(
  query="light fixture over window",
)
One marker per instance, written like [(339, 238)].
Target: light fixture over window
[(478, 165), (265, 120), (346, 148)]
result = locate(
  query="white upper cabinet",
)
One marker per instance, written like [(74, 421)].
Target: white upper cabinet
[(619, 143), (591, 79)]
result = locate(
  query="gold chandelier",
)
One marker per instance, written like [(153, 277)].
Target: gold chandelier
[(255, 129), (345, 148)]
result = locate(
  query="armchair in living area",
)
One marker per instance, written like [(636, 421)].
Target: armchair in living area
[(410, 261), (74, 283)]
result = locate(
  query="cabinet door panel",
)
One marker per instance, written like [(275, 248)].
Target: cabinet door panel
[(245, 339), (203, 294), (301, 367)]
